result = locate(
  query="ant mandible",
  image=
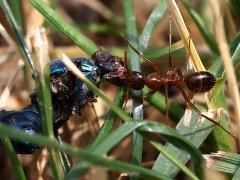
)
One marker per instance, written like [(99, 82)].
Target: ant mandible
[(196, 82)]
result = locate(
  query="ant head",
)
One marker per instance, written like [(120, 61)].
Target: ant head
[(107, 62), (101, 56), (200, 82), (112, 67)]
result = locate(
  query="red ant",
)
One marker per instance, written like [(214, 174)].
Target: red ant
[(196, 82)]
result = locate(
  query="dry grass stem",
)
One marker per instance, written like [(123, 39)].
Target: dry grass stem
[(72, 66), (185, 35), (39, 43), (224, 51), (8, 38), (6, 91)]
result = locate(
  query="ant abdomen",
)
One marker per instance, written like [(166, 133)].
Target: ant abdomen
[(200, 82)]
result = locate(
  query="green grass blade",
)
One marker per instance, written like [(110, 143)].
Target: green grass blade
[(150, 126), (162, 164), (6, 131), (120, 113), (207, 35), (156, 53), (131, 30), (19, 35), (218, 69), (196, 133), (18, 169), (45, 104), (64, 159), (109, 122), (158, 101), (16, 9), (58, 22), (82, 167), (132, 170), (224, 162), (144, 126), (152, 21), (172, 158), (236, 175)]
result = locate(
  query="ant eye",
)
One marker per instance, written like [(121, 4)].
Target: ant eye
[(101, 56)]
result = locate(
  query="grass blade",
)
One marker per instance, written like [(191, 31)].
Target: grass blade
[(207, 35), (156, 53), (196, 133), (172, 158), (224, 162), (236, 175), (152, 21), (6, 131), (78, 38), (131, 30), (108, 124), (64, 159), (144, 126), (18, 169), (19, 35), (42, 79), (158, 101), (95, 89)]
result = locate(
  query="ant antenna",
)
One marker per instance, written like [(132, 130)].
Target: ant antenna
[(170, 41), (152, 64)]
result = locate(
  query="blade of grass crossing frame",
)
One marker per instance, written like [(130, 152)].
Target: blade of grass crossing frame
[(150, 126), (19, 36), (17, 12), (156, 53), (108, 124), (152, 21), (131, 30), (64, 159), (82, 167), (162, 164), (207, 35), (171, 157), (196, 133), (55, 20), (85, 155), (18, 169), (144, 127)]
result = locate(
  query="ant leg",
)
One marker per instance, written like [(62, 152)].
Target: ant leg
[(201, 114), (166, 100)]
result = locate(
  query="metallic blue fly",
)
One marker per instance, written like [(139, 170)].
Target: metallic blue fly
[(69, 95), (27, 119)]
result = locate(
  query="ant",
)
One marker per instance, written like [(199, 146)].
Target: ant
[(196, 82)]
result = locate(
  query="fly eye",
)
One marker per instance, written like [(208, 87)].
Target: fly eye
[(101, 56)]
